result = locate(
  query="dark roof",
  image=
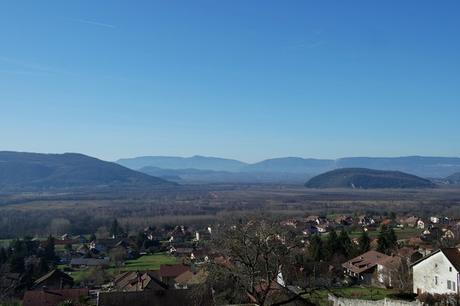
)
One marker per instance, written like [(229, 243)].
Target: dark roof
[(173, 297), (52, 274), (52, 297), (452, 254), (365, 261), (135, 281), (173, 270)]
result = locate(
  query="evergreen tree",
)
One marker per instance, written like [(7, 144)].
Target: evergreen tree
[(364, 242), (3, 256), (393, 215), (382, 243), (345, 244), (387, 240), (49, 254), (316, 248), (392, 238), (17, 263), (332, 244), (140, 239), (115, 229)]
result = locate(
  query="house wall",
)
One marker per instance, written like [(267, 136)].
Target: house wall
[(426, 272)]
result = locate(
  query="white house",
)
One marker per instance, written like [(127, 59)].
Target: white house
[(420, 224), (434, 220), (438, 272)]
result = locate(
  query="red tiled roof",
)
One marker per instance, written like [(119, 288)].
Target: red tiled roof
[(172, 270), (52, 297), (365, 261)]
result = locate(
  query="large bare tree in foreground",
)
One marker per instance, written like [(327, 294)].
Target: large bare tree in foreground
[(254, 255)]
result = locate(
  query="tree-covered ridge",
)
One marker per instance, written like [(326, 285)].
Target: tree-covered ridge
[(34, 171), (362, 178)]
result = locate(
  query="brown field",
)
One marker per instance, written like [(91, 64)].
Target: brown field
[(33, 214)]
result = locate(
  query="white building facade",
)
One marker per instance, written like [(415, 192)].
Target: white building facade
[(438, 273)]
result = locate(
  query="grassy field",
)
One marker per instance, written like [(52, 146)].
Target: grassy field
[(149, 262), (143, 263), (365, 293), (4, 243), (401, 233)]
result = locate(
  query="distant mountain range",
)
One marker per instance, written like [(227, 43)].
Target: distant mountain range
[(172, 162), (55, 172), (195, 176), (453, 179), (42, 172), (287, 169), (360, 178)]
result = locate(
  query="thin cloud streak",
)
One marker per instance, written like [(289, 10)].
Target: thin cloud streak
[(96, 23), (25, 68), (25, 65)]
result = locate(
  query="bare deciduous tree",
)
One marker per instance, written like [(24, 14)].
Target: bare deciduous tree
[(253, 256)]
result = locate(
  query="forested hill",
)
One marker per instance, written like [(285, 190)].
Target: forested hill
[(362, 178), (454, 178), (33, 171)]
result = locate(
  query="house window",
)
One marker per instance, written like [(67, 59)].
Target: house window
[(435, 280), (449, 285), (453, 286), (450, 269), (435, 265)]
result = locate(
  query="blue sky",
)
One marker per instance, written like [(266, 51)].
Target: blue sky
[(240, 79)]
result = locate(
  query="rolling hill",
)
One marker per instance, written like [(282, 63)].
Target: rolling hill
[(454, 179), (173, 162), (292, 165), (34, 171), (362, 178), (196, 176), (423, 166)]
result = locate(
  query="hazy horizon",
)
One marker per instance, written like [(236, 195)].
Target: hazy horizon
[(232, 158), (241, 80)]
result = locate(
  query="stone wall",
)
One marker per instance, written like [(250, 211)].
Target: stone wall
[(338, 301)]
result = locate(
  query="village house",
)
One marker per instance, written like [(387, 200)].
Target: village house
[(170, 297), (410, 254), (289, 222), (409, 221), (434, 220), (437, 273), (54, 280), (363, 268), (189, 279), (9, 282), (345, 220), (420, 224), (48, 297), (447, 234), (89, 262), (168, 273), (366, 221), (136, 281)]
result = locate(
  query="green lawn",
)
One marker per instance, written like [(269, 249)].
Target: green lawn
[(149, 262), (363, 293), (4, 243), (401, 233), (143, 263)]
